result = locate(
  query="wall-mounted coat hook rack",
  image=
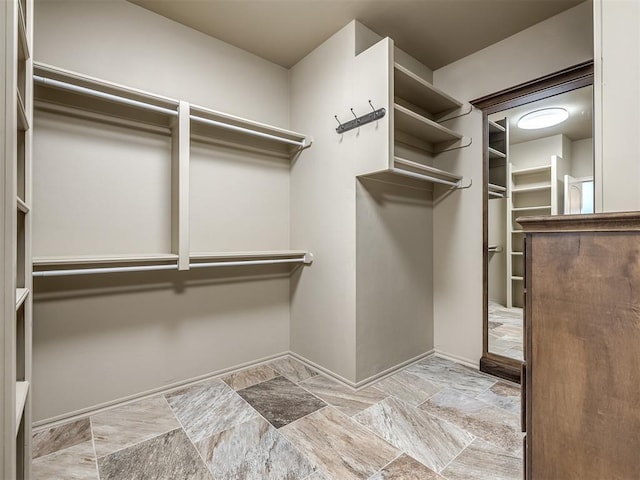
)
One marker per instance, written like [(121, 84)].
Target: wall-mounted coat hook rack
[(359, 121)]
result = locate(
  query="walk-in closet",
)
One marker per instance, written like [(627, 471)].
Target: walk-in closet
[(280, 240)]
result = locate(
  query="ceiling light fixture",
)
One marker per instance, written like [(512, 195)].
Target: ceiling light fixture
[(546, 117)]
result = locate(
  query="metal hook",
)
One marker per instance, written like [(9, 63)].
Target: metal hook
[(336, 117), (372, 107), (355, 116)]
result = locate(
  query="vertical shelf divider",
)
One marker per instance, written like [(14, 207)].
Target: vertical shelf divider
[(180, 145)]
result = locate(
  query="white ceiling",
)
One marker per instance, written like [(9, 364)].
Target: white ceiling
[(579, 125), (436, 32)]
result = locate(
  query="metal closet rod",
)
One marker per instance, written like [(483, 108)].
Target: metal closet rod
[(147, 268), (255, 133), (106, 96)]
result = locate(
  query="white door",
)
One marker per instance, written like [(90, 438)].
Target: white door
[(572, 195)]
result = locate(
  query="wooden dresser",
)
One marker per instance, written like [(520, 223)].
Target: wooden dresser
[(581, 376)]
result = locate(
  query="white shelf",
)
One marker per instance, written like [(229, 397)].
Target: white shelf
[(104, 259), (23, 121), (516, 278), (22, 390), (21, 296), (535, 188), (23, 44), (497, 188), (414, 89), (517, 254), (529, 209), (212, 126), (69, 92), (517, 231), (495, 154), (496, 127), (528, 171), (422, 128), (22, 206), (252, 255)]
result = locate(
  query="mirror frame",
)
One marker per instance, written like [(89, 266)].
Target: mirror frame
[(571, 78)]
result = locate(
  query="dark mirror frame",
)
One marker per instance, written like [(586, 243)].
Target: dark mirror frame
[(571, 78)]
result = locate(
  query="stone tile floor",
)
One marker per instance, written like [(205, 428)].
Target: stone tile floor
[(283, 421), (506, 335)]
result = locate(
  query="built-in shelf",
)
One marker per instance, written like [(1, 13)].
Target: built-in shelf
[(59, 261), (493, 194), (23, 121), (21, 296), (528, 171), (495, 154), (422, 128), (22, 390), (530, 209), (68, 92), (496, 191), (534, 188), (212, 126), (417, 175), (494, 249), (517, 278), (496, 127), (517, 231), (497, 188), (22, 206), (517, 254), (23, 43), (419, 92)]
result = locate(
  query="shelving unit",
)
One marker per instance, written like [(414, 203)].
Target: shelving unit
[(498, 152), (16, 18), (417, 134), (76, 95), (533, 192)]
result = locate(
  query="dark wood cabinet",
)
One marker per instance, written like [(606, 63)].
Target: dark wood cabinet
[(582, 347)]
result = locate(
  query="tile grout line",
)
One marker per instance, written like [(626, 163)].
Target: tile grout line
[(459, 453), (389, 463), (93, 444)]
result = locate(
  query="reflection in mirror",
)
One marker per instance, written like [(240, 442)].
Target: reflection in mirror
[(540, 170)]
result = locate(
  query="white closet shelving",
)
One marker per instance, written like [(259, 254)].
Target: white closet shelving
[(16, 17), (498, 152), (417, 133), (72, 94), (533, 191)]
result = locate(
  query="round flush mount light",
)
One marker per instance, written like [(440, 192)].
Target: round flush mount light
[(547, 117)]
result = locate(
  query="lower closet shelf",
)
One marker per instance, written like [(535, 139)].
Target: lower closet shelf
[(22, 390)]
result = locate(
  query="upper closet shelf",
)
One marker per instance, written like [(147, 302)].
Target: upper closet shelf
[(72, 93), (431, 136), (23, 44), (496, 127), (414, 89), (221, 128)]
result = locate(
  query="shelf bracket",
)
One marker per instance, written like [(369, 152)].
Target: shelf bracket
[(359, 121)]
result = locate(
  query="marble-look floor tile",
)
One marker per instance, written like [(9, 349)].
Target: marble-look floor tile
[(446, 373), (167, 457), (281, 401), (338, 445), (253, 450), (60, 437), (250, 376), (430, 440), (319, 475), (208, 408), (482, 461), (409, 387), (342, 397), (73, 463), (292, 369), (493, 425), (503, 395), (406, 468), (130, 424)]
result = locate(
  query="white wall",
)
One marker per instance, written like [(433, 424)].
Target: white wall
[(617, 109), (101, 339), (536, 152), (557, 43), (497, 233), (582, 158)]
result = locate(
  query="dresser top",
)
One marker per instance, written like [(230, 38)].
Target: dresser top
[(599, 222)]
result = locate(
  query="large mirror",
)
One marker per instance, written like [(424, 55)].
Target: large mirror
[(538, 161)]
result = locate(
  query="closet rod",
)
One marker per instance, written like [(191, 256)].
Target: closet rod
[(255, 133), (247, 262), (90, 271), (105, 96), (420, 176)]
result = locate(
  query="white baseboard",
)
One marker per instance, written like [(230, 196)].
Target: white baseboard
[(102, 407), (455, 358)]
